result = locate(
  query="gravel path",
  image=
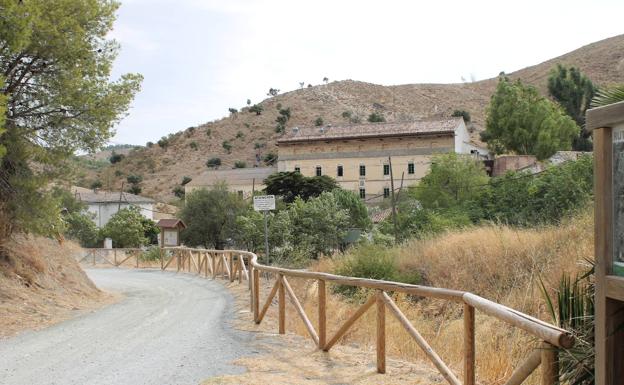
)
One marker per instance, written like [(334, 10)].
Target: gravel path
[(169, 329)]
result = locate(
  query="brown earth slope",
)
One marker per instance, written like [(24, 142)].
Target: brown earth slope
[(41, 283), (253, 136)]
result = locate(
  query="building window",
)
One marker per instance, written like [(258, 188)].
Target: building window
[(298, 169), (362, 193), (362, 170), (386, 169), (410, 168), (339, 171), (319, 171), (386, 192)]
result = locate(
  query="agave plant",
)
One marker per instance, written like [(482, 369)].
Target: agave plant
[(573, 310), (608, 96)]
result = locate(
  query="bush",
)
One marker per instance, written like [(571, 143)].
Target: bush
[(374, 262), (240, 164), (240, 135), (81, 228), (232, 111), (208, 132), (149, 144), (185, 180), (96, 185), (259, 145), (318, 122), (227, 146), (193, 145), (213, 162), (151, 254), (463, 113), (257, 109), (115, 157), (270, 158), (163, 142), (347, 114), (376, 118), (280, 128), (125, 228), (135, 189), (178, 191), (134, 179)]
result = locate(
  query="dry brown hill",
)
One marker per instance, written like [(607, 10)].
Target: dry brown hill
[(253, 136)]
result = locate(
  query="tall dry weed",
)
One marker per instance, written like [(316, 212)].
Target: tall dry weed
[(500, 263)]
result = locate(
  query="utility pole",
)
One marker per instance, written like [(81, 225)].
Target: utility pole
[(394, 218), (120, 195)]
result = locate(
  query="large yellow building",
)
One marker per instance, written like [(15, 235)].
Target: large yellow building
[(358, 156)]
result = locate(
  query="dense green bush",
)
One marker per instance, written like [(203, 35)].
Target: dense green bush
[(163, 142), (151, 254), (126, 229), (376, 118), (374, 262), (81, 228), (213, 162), (227, 146), (178, 191), (240, 164), (319, 122), (257, 109), (115, 157)]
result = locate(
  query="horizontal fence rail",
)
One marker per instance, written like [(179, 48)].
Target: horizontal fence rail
[(239, 265)]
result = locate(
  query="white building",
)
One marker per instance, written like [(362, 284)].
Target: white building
[(104, 204)]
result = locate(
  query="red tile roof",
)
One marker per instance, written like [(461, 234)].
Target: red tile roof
[(170, 223)]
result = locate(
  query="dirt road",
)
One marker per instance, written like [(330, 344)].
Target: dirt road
[(168, 329)]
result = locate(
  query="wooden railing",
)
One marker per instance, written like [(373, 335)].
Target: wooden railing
[(242, 265)]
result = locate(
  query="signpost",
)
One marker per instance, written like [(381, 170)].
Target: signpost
[(265, 203), (607, 125)]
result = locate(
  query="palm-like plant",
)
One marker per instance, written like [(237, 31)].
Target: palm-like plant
[(607, 96), (574, 311)]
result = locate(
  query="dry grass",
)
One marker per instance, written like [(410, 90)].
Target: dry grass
[(496, 262), (41, 283)]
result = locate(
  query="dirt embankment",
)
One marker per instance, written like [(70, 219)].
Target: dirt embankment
[(41, 283)]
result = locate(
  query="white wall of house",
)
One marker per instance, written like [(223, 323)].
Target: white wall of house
[(463, 145), (102, 212)]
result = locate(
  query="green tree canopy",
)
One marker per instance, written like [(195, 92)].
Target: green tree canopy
[(353, 204), (210, 216), (290, 185), (56, 61), (574, 92), (520, 120), (452, 181), (126, 228)]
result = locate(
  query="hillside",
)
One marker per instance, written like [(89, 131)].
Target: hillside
[(253, 136)]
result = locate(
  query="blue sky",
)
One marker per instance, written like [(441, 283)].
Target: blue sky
[(200, 57)]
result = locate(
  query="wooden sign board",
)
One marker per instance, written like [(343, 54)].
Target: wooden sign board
[(264, 202), (618, 200)]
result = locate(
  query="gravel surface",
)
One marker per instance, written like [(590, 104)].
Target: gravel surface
[(168, 329)]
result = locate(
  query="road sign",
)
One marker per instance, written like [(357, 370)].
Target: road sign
[(264, 202)]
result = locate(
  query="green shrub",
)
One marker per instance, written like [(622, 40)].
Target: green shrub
[(270, 158), (347, 114), (240, 135), (185, 180), (376, 117), (318, 122), (259, 145), (463, 113), (149, 144), (208, 132), (126, 229), (134, 189), (163, 142), (178, 191), (240, 164), (257, 109), (227, 146), (374, 262), (115, 157), (151, 254), (134, 179), (193, 145), (96, 185), (213, 162), (81, 228)]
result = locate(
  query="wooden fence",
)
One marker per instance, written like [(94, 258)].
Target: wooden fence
[(242, 265)]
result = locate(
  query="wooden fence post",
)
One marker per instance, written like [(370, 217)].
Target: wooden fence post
[(162, 260), (256, 293), (322, 316), (115, 256), (282, 305), (469, 345), (550, 364), (381, 333), (231, 264), (137, 258), (93, 251)]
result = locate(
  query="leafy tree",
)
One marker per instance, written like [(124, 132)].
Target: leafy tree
[(248, 102), (286, 112), (273, 92), (150, 230), (358, 213), (325, 80), (126, 229), (115, 157), (290, 185), (319, 224), (376, 118), (178, 191), (240, 164), (257, 109), (233, 111), (318, 122), (186, 180), (56, 62), (574, 92), (463, 113), (149, 144), (453, 181), (522, 121), (210, 216), (270, 159), (213, 162)]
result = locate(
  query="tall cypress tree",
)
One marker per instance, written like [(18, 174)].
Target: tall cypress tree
[(574, 92)]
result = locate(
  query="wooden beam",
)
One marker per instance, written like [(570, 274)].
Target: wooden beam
[(267, 304), (281, 305), (381, 332), (606, 116), (345, 327), (469, 345), (525, 369), (256, 292), (302, 313), (550, 365), (429, 352), (322, 316)]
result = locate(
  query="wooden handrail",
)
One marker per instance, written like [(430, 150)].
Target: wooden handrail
[(552, 336)]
